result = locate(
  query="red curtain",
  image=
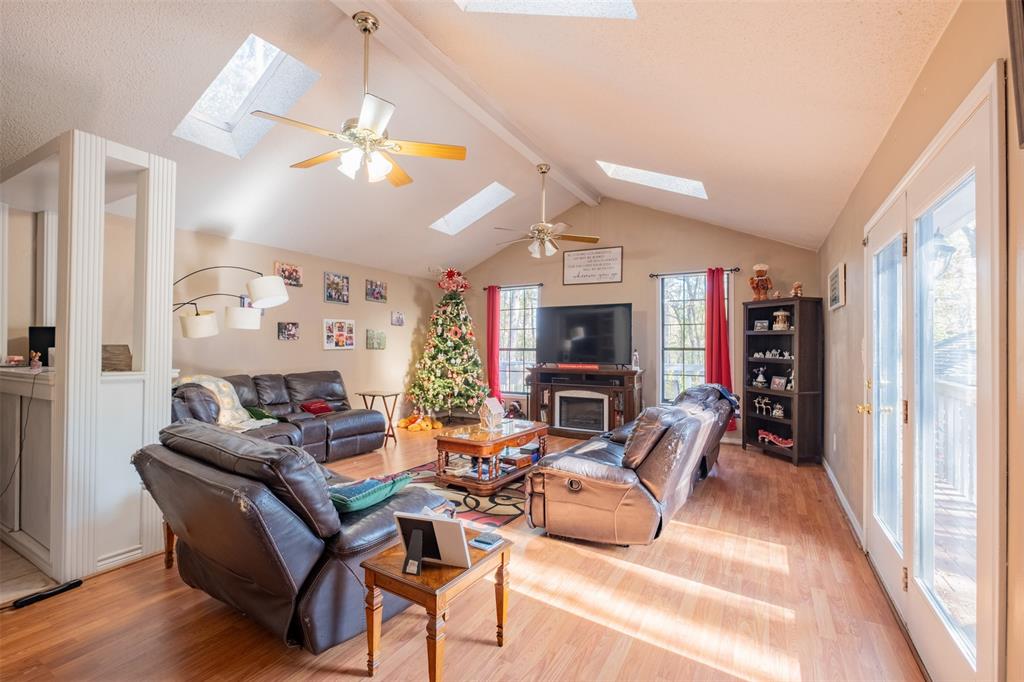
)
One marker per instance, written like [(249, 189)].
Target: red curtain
[(716, 354), (493, 339)]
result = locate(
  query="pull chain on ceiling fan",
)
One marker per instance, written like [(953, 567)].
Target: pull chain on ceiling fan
[(544, 236), (371, 148)]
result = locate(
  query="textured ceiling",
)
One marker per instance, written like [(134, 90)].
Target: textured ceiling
[(776, 106), (129, 71)]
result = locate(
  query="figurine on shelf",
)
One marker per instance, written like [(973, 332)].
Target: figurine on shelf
[(760, 381), (760, 405), (778, 412), (758, 354), (789, 383), (34, 360), (781, 321), (760, 283), (786, 355), (797, 290), (769, 437), (776, 294)]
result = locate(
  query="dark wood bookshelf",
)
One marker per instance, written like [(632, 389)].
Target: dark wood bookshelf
[(802, 406)]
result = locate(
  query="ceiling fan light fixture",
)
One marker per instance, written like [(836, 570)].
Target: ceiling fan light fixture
[(378, 167), (351, 162), (549, 248), (534, 249)]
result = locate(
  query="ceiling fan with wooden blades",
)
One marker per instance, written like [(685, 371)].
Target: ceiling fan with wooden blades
[(544, 236), (370, 147)]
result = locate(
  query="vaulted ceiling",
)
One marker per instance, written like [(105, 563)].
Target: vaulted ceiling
[(776, 107)]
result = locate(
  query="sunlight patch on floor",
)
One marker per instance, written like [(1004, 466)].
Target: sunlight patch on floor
[(759, 554), (675, 615)]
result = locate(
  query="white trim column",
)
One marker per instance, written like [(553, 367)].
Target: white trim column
[(152, 334), (4, 269), (46, 268), (79, 339)]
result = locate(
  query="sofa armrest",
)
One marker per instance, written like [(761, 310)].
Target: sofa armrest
[(281, 432), (621, 434), (585, 467)]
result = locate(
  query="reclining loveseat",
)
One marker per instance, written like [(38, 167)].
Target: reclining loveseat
[(621, 487)]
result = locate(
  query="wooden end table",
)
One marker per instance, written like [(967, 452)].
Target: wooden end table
[(487, 447), (434, 589), (388, 410)]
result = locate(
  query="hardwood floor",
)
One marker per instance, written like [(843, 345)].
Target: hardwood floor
[(757, 578)]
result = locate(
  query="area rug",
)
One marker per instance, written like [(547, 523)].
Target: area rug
[(504, 506)]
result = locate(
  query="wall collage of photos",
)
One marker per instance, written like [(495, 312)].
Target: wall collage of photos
[(338, 334)]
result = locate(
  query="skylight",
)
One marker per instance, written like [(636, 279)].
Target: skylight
[(473, 209), (258, 76), (669, 183), (599, 9), (223, 102)]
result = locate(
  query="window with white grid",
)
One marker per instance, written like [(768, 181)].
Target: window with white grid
[(683, 343), (517, 346)]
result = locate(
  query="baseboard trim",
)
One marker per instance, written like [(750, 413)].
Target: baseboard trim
[(851, 518)]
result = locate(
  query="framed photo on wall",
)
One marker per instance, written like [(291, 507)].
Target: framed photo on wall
[(335, 287), (291, 274), (339, 334), (592, 266), (837, 287), (287, 331), (376, 291)]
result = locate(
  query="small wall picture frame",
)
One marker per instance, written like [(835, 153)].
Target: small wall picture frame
[(339, 334), (837, 287), (287, 331), (778, 383), (335, 287), (291, 274), (760, 325), (376, 339), (376, 291), (397, 318)]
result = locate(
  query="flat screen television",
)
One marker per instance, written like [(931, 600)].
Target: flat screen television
[(585, 334)]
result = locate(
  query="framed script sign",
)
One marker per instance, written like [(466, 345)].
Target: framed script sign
[(592, 266)]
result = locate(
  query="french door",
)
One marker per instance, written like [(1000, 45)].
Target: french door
[(935, 391)]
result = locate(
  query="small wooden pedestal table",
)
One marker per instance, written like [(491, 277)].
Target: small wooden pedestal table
[(388, 410), (487, 447), (434, 589)]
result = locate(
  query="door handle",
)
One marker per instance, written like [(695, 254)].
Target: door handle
[(863, 408)]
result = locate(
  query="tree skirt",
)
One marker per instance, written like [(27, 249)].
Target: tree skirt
[(504, 506)]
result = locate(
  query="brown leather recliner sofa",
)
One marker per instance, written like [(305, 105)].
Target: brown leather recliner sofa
[(622, 486), (256, 529), (344, 432)]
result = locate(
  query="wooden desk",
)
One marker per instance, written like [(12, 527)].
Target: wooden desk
[(434, 589)]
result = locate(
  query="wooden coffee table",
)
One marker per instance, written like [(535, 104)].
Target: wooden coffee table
[(434, 589), (487, 447)]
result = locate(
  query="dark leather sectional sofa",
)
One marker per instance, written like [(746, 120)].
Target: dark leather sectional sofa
[(341, 433), (256, 529)]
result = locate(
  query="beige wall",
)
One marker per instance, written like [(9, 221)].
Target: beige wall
[(21, 280), (118, 288), (974, 39), (252, 352), (653, 241)]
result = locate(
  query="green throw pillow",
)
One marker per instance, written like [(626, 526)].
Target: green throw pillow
[(260, 413), (356, 495)]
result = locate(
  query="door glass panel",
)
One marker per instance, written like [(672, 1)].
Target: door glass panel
[(945, 340), (887, 389)]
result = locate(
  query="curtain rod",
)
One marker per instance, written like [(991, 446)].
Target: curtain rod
[(655, 275), (516, 286)]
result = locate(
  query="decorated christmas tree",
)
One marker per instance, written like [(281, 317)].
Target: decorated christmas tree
[(449, 373)]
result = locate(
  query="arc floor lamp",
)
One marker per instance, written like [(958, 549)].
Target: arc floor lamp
[(265, 291)]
